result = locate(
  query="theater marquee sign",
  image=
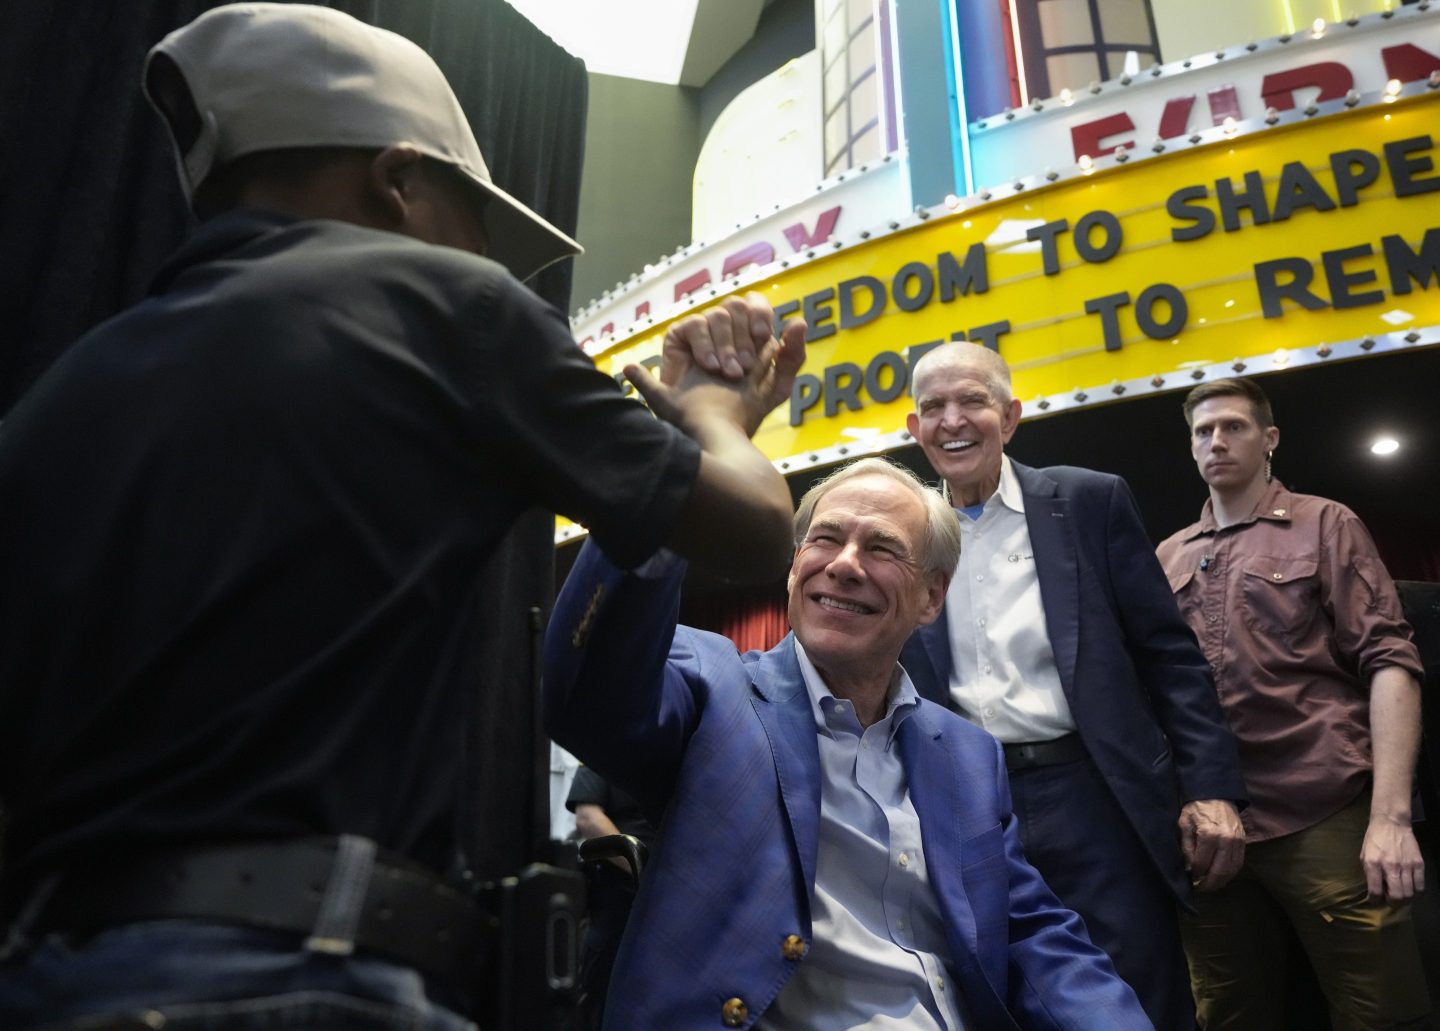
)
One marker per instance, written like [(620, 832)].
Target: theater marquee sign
[(1314, 238)]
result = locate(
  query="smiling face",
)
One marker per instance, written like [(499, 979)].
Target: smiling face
[(962, 422), (1229, 444), (857, 584)]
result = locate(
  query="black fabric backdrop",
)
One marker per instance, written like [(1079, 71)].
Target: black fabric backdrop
[(90, 204)]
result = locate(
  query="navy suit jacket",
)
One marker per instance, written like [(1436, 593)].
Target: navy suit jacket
[(1138, 685), (721, 749)]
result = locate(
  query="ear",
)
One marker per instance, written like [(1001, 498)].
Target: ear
[(390, 182), (1009, 419), (912, 423), (936, 584), (1272, 438)]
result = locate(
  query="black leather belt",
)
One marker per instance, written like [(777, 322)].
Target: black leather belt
[(1030, 754), (407, 914)]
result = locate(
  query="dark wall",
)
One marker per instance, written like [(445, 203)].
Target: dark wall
[(641, 143), (786, 31)]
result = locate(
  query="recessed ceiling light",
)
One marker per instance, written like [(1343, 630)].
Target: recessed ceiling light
[(1384, 446)]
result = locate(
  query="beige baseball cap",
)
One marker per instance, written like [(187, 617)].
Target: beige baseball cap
[(269, 76)]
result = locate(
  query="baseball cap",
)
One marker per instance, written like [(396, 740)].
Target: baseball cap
[(271, 76)]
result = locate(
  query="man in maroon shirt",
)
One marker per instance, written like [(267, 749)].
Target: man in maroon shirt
[(1318, 675)]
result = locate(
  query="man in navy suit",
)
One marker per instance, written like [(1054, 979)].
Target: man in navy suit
[(1061, 638), (834, 851)]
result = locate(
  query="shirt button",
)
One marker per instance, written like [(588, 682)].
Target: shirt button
[(793, 947), (940, 983), (989, 713), (987, 669), (1277, 575), (980, 622), (904, 859), (979, 576), (1212, 619)]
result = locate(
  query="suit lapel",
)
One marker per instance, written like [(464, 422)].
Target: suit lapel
[(1056, 565), (935, 639), (934, 785), (783, 706)]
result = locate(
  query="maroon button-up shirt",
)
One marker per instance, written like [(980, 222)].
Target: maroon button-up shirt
[(1295, 612)]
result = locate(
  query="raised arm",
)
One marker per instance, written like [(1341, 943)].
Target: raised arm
[(612, 697), (753, 372)]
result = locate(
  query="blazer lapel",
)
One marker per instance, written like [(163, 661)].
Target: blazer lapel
[(935, 639), (934, 785), (1056, 565), (783, 706)]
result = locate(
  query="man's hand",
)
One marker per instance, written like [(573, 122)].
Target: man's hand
[(1394, 869), (725, 340), (1212, 840), (726, 357)]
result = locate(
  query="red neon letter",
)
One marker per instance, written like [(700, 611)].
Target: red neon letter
[(691, 283), (1278, 88), (824, 226), (756, 254), (1089, 137), (1407, 62)]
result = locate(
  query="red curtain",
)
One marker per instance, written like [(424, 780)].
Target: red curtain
[(754, 618)]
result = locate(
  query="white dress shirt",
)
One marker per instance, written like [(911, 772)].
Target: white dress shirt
[(879, 958), (1002, 669)]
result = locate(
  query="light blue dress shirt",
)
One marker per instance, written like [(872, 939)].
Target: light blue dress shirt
[(879, 958)]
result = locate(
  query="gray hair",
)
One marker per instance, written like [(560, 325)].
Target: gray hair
[(991, 369), (942, 528)]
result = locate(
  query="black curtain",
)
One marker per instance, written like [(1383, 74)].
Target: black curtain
[(90, 202), (90, 205)]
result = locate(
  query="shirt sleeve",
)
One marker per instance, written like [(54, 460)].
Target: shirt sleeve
[(1362, 602), (588, 788), (562, 433)]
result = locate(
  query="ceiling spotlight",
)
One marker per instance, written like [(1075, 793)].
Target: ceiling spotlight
[(1385, 446)]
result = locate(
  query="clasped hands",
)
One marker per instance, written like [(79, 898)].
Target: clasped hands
[(725, 358)]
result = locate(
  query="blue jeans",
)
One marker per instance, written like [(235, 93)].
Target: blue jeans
[(212, 977)]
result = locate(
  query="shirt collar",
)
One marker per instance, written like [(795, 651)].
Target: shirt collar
[(1008, 491), (902, 700), (215, 237), (1276, 505)]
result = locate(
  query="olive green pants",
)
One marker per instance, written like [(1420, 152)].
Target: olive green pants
[(1363, 953)]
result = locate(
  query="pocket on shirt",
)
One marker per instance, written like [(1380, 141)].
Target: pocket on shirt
[(1280, 594), (1187, 600)]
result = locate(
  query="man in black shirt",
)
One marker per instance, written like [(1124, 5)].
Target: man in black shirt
[(241, 527)]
